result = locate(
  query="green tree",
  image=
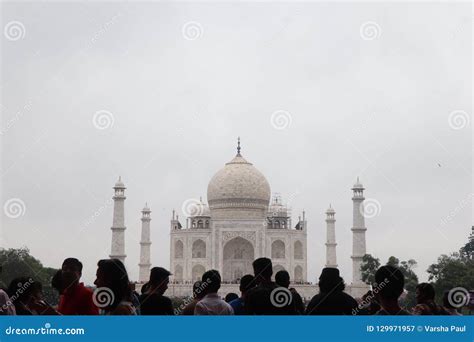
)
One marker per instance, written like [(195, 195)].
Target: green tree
[(411, 279), (454, 270), (19, 263), (467, 251), (370, 264), (368, 268)]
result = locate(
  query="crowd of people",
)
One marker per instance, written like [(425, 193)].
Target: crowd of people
[(259, 294)]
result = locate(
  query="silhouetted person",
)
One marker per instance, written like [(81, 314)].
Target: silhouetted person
[(57, 282), (21, 291), (135, 297), (265, 298), (113, 292), (247, 282), (230, 297), (27, 296), (331, 299), (282, 278), (153, 302), (369, 305), (6, 305), (144, 288), (448, 307), (212, 304), (76, 299), (425, 301), (199, 291), (389, 283)]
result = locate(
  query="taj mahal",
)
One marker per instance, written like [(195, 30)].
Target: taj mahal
[(240, 222)]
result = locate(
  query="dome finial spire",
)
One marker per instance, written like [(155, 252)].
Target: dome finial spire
[(238, 146)]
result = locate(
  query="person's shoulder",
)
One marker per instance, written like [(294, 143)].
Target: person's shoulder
[(236, 302), (229, 307), (85, 292), (82, 289), (348, 297), (316, 298), (166, 300)]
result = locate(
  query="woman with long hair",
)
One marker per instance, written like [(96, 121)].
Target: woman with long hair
[(113, 294)]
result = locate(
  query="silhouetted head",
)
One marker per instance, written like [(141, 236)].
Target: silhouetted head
[(247, 282), (389, 282), (71, 272), (230, 297), (57, 281), (159, 279), (330, 281), (424, 293), (111, 274), (213, 280), (24, 290), (282, 278), (262, 269), (145, 288)]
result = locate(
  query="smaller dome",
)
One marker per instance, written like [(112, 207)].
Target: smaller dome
[(358, 184), (330, 210), (119, 184), (146, 208), (200, 209), (277, 209)]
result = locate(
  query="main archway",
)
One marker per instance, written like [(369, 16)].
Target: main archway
[(238, 257)]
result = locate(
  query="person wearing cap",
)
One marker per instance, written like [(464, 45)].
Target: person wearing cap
[(153, 301), (331, 299)]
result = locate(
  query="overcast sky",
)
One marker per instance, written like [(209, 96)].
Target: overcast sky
[(159, 92)]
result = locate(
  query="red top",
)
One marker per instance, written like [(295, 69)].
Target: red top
[(77, 300)]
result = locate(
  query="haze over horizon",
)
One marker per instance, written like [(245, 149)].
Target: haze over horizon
[(158, 93)]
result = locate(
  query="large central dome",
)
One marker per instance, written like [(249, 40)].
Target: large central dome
[(238, 191)]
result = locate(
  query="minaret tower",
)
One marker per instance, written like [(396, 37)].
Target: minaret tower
[(331, 260), (145, 243), (118, 225), (358, 232)]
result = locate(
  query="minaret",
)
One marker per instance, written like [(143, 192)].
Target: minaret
[(145, 243), (118, 225), (331, 260), (358, 231)]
